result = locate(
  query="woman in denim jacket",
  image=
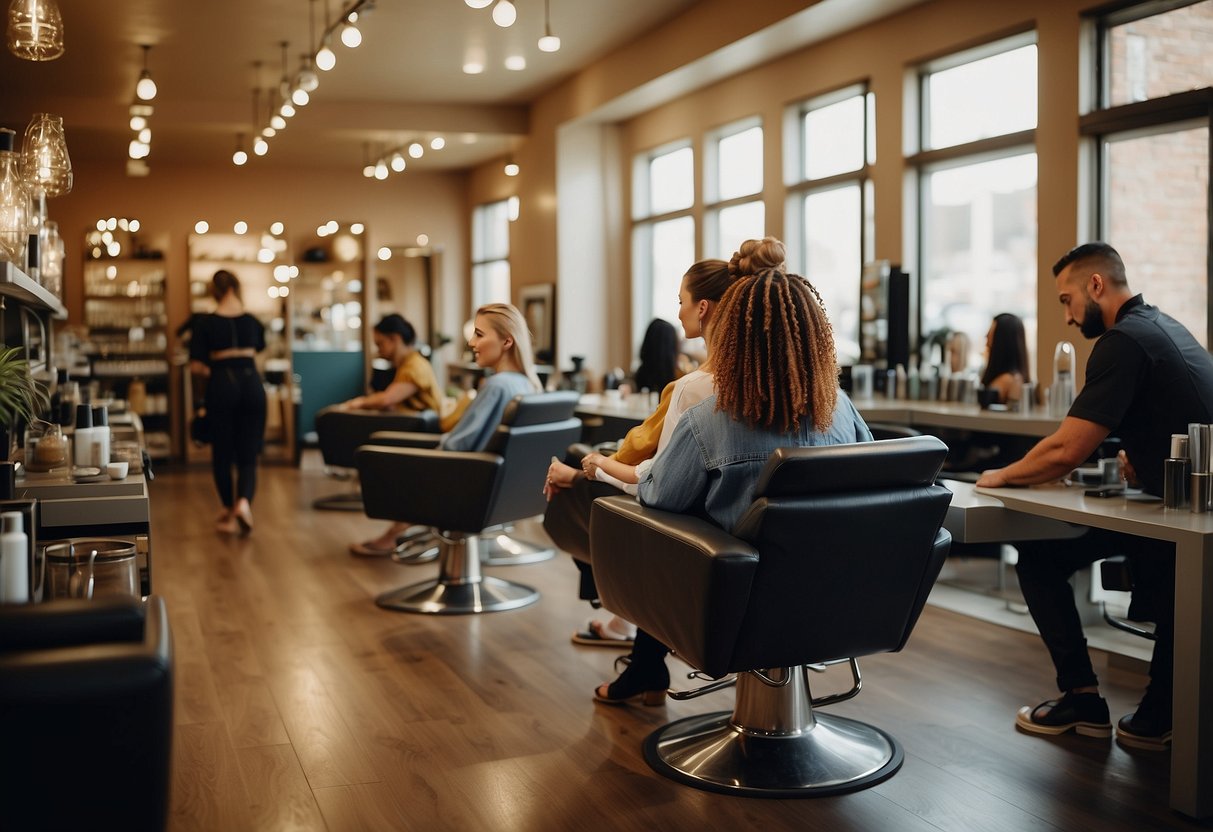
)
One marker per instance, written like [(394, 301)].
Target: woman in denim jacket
[(776, 387)]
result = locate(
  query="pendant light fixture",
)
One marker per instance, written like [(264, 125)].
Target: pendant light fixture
[(45, 165), (350, 35), (478, 4), (145, 89), (326, 59), (505, 13), (368, 170), (35, 30), (307, 79), (240, 157), (549, 42)]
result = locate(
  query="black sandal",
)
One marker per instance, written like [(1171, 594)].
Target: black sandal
[(632, 686)]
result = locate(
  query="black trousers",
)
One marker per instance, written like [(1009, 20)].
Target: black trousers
[(567, 522), (1045, 568), (235, 403)]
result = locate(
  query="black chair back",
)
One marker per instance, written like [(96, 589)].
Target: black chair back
[(342, 432), (533, 429)]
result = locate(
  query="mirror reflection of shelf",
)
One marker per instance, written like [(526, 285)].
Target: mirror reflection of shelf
[(327, 305)]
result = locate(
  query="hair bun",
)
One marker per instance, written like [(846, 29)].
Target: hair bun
[(755, 255)]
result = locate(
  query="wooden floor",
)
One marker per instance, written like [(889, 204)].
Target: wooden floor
[(303, 706)]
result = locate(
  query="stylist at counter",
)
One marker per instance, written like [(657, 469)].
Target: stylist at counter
[(1147, 378)]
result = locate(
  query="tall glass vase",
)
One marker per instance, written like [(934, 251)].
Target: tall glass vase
[(14, 202), (52, 250), (45, 164), (35, 30)]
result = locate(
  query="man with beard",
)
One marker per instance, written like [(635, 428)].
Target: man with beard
[(1146, 379)]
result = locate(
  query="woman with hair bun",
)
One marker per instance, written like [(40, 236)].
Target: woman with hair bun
[(413, 386), (222, 350)]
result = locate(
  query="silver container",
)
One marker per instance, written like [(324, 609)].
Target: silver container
[(91, 568), (1199, 493), (1175, 481), (1199, 439)]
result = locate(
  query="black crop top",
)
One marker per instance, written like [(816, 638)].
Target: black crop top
[(212, 333)]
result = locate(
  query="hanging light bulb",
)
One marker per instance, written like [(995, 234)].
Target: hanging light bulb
[(511, 169), (549, 42), (326, 59), (277, 121), (505, 13), (300, 97), (145, 135), (416, 150), (269, 132), (138, 122), (239, 157), (35, 30), (368, 171), (478, 4), (307, 79), (145, 89), (398, 163), (350, 35), (437, 143), (381, 170), (261, 146)]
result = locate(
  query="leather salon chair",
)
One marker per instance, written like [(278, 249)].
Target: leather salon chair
[(86, 715), (1116, 574), (832, 561), (342, 432), (460, 494)]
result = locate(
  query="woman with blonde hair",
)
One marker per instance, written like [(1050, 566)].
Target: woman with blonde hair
[(776, 375), (501, 343)]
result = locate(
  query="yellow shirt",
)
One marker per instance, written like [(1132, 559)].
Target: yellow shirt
[(641, 441), (417, 371)]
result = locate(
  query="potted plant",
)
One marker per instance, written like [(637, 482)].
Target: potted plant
[(22, 398)]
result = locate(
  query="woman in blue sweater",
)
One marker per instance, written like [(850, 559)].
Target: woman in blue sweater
[(500, 343)]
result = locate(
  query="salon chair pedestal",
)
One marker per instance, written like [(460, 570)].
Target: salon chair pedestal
[(460, 588)]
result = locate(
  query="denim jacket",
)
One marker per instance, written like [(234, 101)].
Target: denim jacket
[(712, 462), (483, 415)]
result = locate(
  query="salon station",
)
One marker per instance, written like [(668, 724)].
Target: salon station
[(350, 412)]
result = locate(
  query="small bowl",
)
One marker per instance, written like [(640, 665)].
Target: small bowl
[(117, 470)]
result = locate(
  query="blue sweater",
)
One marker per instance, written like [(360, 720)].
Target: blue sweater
[(483, 415)]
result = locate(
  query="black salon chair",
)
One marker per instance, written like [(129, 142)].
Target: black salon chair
[(463, 493), (832, 561), (1116, 573), (342, 432), (86, 715)]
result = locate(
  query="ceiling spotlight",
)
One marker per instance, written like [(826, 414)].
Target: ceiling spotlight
[(511, 169), (287, 110), (505, 13), (357, 228), (350, 35), (138, 122), (260, 146), (478, 4), (138, 149), (326, 59), (369, 172), (473, 68), (437, 143), (398, 163), (381, 170), (416, 150), (241, 227), (515, 63), (239, 157), (300, 97), (202, 226), (277, 122), (145, 135), (269, 132), (145, 89), (385, 253), (549, 42), (307, 79)]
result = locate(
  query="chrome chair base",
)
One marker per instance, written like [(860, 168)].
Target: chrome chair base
[(346, 501), (460, 588), (837, 755), (498, 548)]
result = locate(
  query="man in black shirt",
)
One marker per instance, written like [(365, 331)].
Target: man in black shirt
[(1147, 378)]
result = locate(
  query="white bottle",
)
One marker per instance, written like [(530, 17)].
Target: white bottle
[(82, 436), (100, 452), (14, 559)]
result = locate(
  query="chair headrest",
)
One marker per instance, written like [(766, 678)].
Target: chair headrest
[(862, 466), (539, 408)]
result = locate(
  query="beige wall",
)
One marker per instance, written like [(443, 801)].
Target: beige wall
[(171, 200), (880, 53)]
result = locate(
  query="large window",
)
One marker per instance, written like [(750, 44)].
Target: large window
[(830, 203), (663, 232), (1151, 126), (733, 188), (977, 189), (490, 253)]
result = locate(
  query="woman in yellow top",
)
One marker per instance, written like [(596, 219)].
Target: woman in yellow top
[(414, 386)]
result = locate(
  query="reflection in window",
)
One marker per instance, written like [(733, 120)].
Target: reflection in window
[(981, 99), (736, 224), (739, 164), (979, 244), (490, 253), (1160, 55), (1162, 232), (671, 182), (833, 249)]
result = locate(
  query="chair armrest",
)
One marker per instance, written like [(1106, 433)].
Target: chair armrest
[(67, 623), (449, 490), (681, 578), (405, 439), (939, 554)]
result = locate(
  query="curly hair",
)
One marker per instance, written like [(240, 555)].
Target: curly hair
[(773, 350)]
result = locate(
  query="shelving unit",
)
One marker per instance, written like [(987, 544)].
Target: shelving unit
[(28, 309)]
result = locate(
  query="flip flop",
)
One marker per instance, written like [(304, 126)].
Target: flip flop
[(596, 634)]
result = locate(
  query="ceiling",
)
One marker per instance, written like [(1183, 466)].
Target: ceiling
[(404, 82)]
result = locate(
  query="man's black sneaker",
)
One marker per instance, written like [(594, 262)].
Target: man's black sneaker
[(1083, 713), (1149, 728)]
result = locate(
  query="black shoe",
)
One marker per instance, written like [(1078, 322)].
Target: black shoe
[(633, 685), (1083, 713), (1149, 728)]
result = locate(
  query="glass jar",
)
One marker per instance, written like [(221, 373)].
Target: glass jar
[(44, 161), (14, 203)]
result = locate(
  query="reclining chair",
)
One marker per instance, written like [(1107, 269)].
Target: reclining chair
[(86, 714), (460, 494), (342, 432), (832, 561)]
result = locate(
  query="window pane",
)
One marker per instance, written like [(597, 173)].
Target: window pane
[(491, 283), (1157, 218), (671, 182), (834, 139), (673, 253), (990, 97), (979, 245), (739, 164), (832, 223), (491, 232), (1161, 55), (736, 224)]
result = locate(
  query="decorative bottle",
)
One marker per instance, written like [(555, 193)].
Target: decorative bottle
[(14, 202)]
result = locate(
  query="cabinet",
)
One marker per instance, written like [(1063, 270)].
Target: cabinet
[(126, 316)]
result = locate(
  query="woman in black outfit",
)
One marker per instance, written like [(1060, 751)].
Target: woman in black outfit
[(222, 350), (658, 357)]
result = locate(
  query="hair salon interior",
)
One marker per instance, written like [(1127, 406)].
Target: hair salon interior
[(925, 163)]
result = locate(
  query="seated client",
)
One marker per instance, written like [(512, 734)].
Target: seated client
[(776, 378), (1007, 368), (414, 386), (500, 342)]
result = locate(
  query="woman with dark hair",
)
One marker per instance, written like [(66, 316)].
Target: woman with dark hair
[(222, 350), (414, 387), (658, 357), (1006, 359), (776, 376)]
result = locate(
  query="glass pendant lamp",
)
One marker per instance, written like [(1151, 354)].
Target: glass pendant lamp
[(45, 163), (35, 30), (14, 202)]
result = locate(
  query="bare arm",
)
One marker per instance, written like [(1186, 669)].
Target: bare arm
[(1052, 457), (394, 394), (619, 470)]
